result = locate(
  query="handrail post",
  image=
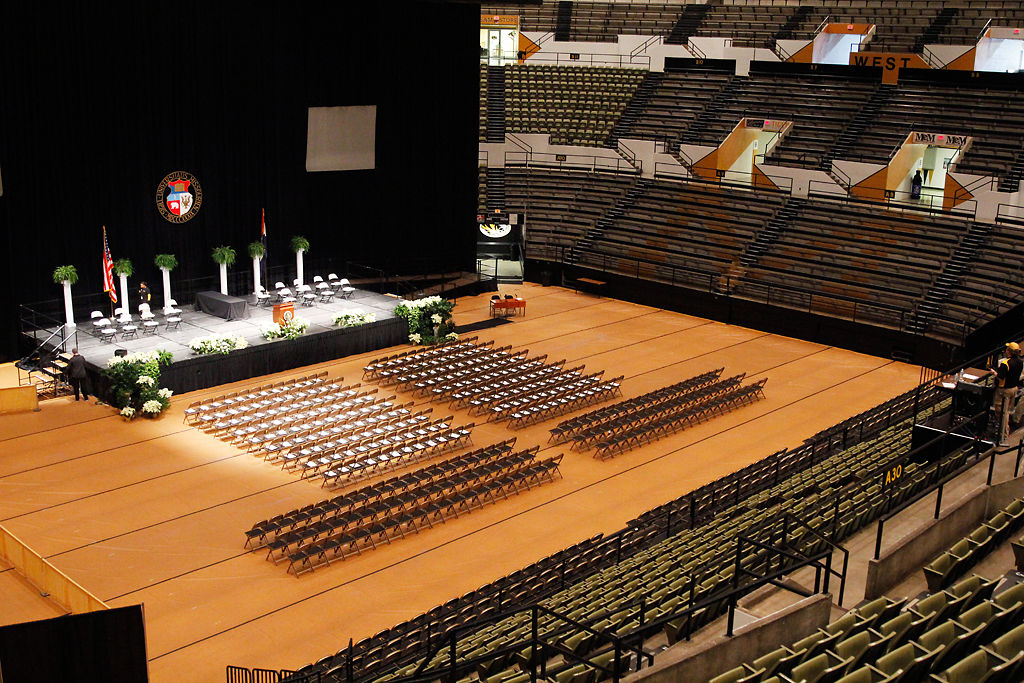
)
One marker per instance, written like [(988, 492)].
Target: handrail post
[(452, 678), (878, 538), (938, 499)]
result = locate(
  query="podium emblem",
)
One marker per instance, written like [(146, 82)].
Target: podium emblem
[(178, 197)]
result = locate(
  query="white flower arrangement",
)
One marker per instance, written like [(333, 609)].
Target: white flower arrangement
[(415, 338), (422, 303), (145, 380), (451, 336), (152, 407), (217, 343), (354, 318), (292, 329), (165, 393), (128, 412), (139, 357), (436, 318)]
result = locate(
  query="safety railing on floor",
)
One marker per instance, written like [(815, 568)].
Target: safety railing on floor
[(51, 581)]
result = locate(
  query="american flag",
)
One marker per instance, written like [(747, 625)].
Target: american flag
[(108, 269)]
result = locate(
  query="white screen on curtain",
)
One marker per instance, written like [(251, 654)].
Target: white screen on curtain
[(341, 138)]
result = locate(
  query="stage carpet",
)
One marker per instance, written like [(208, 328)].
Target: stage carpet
[(153, 512)]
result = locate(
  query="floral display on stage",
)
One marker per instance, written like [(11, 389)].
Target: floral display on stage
[(354, 318), (429, 319), (217, 343), (286, 329), (135, 383)]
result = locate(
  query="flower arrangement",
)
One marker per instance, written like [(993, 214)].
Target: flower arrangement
[(287, 329), (217, 343), (429, 319), (354, 318), (135, 383)]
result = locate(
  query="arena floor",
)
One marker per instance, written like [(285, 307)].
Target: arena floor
[(153, 512)]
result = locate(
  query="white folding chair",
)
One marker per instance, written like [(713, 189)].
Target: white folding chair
[(262, 298), (325, 292), (308, 297), (98, 320), (346, 288), (285, 296), (173, 307), (108, 333)]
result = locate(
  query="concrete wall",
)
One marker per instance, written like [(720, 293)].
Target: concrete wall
[(1000, 495), (920, 546), (749, 642)]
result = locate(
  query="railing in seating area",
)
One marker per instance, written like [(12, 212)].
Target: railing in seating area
[(50, 580), (591, 162), (737, 179), (635, 61), (723, 285), (895, 199)]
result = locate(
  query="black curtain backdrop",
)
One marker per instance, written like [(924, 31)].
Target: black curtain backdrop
[(98, 104)]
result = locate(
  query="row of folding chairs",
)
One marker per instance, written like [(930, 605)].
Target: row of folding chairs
[(677, 420), (438, 367), (586, 437), (386, 364), (267, 529), (460, 383), (274, 407), (483, 397), (348, 415), (584, 394), (475, 393), (297, 451), (406, 369), (966, 552), (370, 534), (505, 403), (437, 484), (567, 429), (196, 408), (385, 460), (280, 435)]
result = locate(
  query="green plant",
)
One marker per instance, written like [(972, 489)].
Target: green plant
[(299, 242), (123, 266), (225, 256), (165, 261), (135, 383), (429, 319), (65, 274), (286, 329), (256, 250)]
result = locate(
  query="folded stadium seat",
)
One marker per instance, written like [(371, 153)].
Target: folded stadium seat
[(910, 661)]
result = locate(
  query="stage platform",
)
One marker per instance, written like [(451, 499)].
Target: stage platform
[(323, 341)]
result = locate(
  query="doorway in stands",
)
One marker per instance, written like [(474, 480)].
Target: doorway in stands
[(499, 39)]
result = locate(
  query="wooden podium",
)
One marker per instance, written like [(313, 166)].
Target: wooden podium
[(284, 312)]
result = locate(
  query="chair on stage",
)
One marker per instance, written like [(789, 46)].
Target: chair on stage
[(308, 297), (262, 297), (123, 315), (128, 329), (346, 288), (332, 280), (149, 325), (98, 320), (284, 296), (325, 292), (172, 308), (108, 333)]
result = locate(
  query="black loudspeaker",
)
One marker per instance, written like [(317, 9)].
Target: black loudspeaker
[(121, 352), (970, 399)]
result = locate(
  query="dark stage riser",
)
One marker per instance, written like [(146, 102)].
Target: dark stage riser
[(202, 372)]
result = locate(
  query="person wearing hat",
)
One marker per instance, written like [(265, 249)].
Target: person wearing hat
[(1008, 372)]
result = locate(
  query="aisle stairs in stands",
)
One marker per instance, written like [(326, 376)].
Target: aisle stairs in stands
[(563, 21), (936, 28), (495, 189), (771, 231), (1011, 181), (858, 124), (635, 107), (623, 204), (495, 104), (688, 23), (712, 112), (793, 22), (947, 281)]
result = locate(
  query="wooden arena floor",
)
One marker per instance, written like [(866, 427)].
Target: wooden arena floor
[(153, 512)]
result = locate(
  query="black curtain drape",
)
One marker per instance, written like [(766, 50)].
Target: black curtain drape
[(98, 103)]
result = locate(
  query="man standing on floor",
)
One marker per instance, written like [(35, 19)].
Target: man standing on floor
[(1008, 372), (77, 375)]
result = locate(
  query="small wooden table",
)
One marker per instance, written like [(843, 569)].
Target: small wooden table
[(507, 307), (589, 281)]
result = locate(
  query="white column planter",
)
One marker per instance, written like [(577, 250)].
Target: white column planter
[(298, 266), (255, 276), (167, 290), (124, 294), (224, 279), (69, 311)]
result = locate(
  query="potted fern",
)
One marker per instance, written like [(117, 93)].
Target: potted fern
[(166, 263), (256, 253), (66, 276), (123, 269), (299, 245), (224, 257)]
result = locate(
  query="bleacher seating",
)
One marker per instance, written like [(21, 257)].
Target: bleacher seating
[(576, 105)]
